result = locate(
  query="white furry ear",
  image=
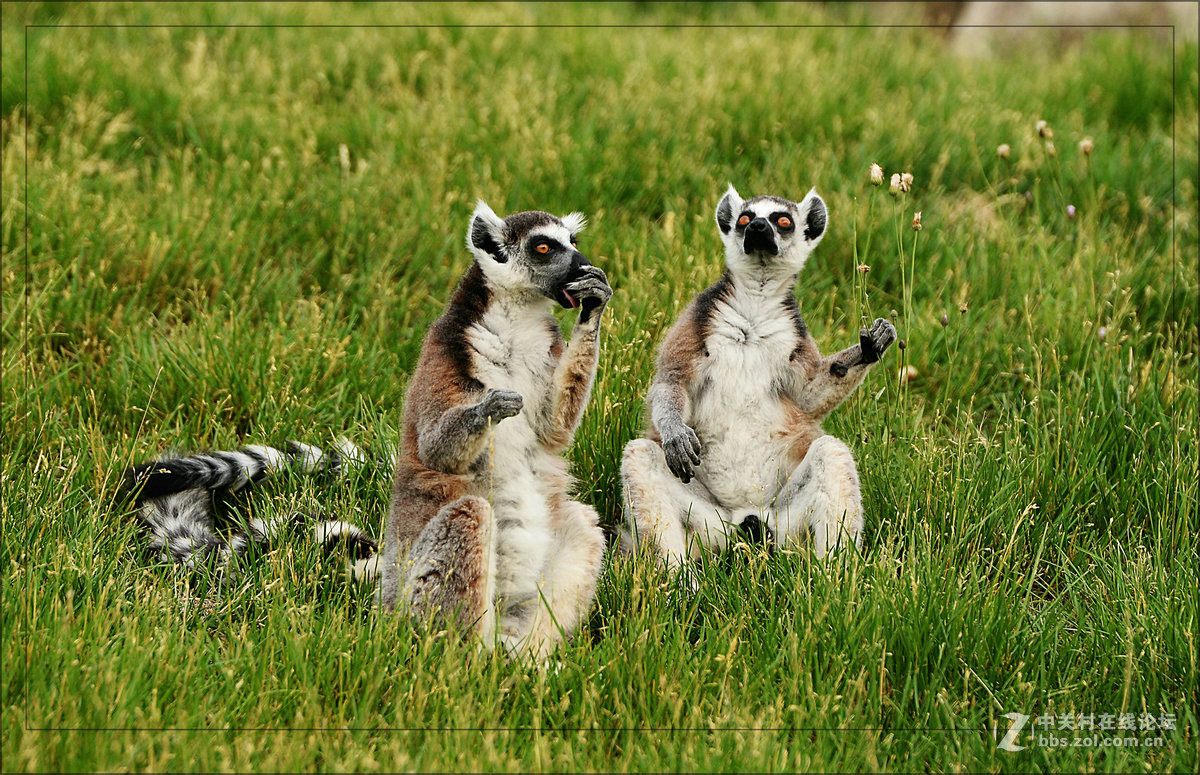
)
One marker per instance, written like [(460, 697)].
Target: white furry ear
[(575, 222), (486, 233), (730, 204), (814, 217)]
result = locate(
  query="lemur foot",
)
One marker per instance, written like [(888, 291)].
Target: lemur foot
[(877, 340), (756, 533)]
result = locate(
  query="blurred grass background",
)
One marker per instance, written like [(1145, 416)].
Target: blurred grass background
[(240, 233)]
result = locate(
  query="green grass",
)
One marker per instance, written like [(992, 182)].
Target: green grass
[(202, 271)]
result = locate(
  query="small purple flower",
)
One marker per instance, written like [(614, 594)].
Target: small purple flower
[(1071, 211)]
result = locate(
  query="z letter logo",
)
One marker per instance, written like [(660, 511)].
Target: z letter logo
[(1009, 742)]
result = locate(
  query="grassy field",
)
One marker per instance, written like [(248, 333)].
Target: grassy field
[(217, 235)]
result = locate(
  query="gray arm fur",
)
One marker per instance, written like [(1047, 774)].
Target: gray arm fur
[(833, 378), (457, 439), (576, 370)]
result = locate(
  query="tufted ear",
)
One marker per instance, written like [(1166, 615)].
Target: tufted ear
[(813, 216), (486, 233), (575, 222), (727, 208)]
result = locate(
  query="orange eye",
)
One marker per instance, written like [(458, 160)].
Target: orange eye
[(745, 219), (785, 221), (542, 248)]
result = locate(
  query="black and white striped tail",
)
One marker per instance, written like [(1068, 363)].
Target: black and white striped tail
[(231, 471), (175, 503)]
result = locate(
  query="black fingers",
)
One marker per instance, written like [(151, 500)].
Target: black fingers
[(682, 451), (873, 343), (867, 345), (593, 292), (883, 333), (499, 404)]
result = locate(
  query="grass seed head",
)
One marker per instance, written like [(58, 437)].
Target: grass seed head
[(906, 181), (876, 175), (894, 184), (1044, 130), (1086, 145), (1003, 150), (916, 221)]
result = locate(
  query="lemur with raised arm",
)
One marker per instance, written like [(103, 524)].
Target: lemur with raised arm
[(735, 440), (482, 530)]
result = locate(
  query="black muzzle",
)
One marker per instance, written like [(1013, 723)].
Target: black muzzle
[(759, 237)]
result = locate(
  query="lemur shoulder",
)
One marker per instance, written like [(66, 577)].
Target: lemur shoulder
[(736, 403)]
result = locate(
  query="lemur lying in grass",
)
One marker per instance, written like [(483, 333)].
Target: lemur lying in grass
[(183, 503), (737, 400)]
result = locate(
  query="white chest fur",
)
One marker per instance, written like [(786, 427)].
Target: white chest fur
[(512, 351), (736, 407)]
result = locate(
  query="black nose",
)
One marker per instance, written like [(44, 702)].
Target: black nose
[(758, 226)]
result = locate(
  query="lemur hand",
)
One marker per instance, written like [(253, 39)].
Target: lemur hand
[(499, 404), (875, 341), (592, 291), (682, 449)]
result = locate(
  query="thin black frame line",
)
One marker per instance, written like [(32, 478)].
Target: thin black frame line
[(285, 25), (25, 393), (25, 316), (1174, 186), (441, 730)]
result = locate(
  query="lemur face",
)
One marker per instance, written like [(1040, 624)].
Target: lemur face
[(530, 250), (768, 231)]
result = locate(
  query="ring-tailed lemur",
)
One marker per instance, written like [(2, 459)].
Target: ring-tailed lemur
[(180, 502), (482, 530), (737, 401)]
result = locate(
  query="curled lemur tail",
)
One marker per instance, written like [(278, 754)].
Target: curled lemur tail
[(175, 500)]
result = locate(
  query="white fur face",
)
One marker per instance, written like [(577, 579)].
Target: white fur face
[(529, 252), (768, 233)]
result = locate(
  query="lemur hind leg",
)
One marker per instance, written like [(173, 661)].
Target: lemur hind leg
[(573, 567), (451, 572), (821, 495), (676, 519)]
